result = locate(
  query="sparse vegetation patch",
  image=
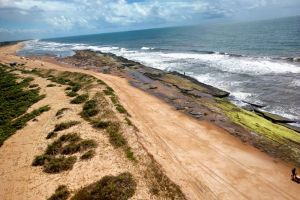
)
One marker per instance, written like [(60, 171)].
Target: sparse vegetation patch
[(61, 193), (121, 187), (15, 99), (65, 125), (80, 99)]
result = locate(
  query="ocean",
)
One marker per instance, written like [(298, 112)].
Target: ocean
[(257, 62)]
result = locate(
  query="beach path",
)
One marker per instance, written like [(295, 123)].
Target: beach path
[(204, 160)]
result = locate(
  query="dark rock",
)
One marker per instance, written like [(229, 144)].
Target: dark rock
[(211, 90), (254, 104), (272, 117), (152, 87), (128, 64), (289, 126), (13, 64), (105, 69)]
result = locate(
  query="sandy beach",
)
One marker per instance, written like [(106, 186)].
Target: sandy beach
[(204, 160)]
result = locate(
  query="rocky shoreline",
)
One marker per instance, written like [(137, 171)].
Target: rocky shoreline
[(202, 102)]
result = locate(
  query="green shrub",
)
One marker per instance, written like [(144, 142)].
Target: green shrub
[(70, 137), (87, 144), (120, 108), (100, 124), (59, 164), (88, 155), (70, 149), (51, 135), (71, 94), (76, 87), (130, 154), (89, 109), (54, 148), (15, 99), (33, 85), (40, 160), (61, 193), (61, 111), (109, 91), (68, 88), (51, 85), (121, 187), (80, 99), (65, 125), (115, 137)]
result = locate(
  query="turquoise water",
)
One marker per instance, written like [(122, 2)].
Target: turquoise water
[(255, 61)]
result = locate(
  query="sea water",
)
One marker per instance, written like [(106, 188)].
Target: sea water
[(256, 62)]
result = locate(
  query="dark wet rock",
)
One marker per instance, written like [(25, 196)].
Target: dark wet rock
[(272, 117), (105, 69), (294, 128), (152, 87), (210, 89), (155, 76), (255, 104), (196, 114), (13, 64), (128, 64)]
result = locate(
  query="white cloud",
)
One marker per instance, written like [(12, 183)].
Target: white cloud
[(90, 14)]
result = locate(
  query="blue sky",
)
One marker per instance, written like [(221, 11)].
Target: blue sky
[(20, 19)]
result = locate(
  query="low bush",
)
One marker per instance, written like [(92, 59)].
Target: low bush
[(109, 91), (61, 193), (33, 85), (61, 111), (59, 164), (65, 125), (89, 109), (40, 160), (70, 137), (88, 155), (80, 99), (15, 99), (120, 108), (115, 137), (51, 85), (100, 124), (71, 94), (129, 154), (51, 134), (54, 148), (121, 187)]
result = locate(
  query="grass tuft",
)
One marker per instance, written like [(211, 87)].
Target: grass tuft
[(65, 125), (59, 164), (80, 99), (89, 109), (51, 134), (61, 193), (88, 155), (121, 187), (51, 85), (71, 94)]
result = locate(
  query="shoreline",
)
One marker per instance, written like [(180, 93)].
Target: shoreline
[(199, 153), (198, 100)]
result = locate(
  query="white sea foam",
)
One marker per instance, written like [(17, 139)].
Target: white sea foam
[(147, 48)]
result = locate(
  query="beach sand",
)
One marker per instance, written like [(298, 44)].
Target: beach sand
[(204, 160)]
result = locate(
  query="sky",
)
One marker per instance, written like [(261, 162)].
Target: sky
[(24, 19)]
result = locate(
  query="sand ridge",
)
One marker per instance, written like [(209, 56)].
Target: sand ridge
[(204, 160)]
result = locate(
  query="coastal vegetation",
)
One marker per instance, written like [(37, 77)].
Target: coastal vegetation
[(15, 99), (100, 110), (120, 187), (54, 160), (61, 193)]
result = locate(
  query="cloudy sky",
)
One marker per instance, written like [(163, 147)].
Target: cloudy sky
[(20, 19)]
